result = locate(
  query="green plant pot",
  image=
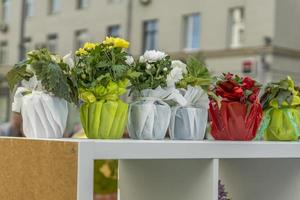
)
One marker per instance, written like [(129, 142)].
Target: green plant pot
[(104, 119)]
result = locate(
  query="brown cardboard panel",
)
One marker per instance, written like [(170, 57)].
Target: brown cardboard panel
[(37, 169)]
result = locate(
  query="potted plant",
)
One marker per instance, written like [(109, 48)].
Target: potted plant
[(102, 71), (47, 85), (236, 112), (281, 105), (149, 115), (189, 117)]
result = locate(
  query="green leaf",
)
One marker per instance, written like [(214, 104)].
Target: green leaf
[(119, 71), (198, 74), (283, 96), (17, 74), (52, 78)]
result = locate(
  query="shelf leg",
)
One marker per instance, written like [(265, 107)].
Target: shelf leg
[(185, 179), (85, 178)]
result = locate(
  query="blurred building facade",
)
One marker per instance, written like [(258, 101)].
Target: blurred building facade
[(257, 37)]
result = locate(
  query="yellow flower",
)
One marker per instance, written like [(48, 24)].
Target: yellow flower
[(81, 52), (89, 46), (116, 42), (119, 42), (109, 40)]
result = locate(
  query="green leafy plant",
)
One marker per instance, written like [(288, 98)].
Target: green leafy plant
[(151, 71), (282, 93), (103, 69), (197, 74), (54, 74)]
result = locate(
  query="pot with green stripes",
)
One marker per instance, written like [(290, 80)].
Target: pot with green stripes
[(104, 119)]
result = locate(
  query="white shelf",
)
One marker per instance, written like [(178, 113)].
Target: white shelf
[(169, 149)]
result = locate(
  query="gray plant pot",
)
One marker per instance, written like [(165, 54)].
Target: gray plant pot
[(148, 119), (188, 123)]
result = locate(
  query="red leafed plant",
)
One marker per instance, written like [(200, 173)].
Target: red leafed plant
[(234, 88), (235, 112)]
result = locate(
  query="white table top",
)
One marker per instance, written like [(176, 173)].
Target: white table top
[(182, 149)]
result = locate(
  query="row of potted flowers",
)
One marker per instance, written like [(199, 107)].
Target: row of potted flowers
[(169, 96)]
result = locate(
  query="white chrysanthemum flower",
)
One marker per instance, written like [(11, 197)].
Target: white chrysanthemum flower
[(142, 59), (69, 60), (179, 64), (175, 75), (152, 56), (148, 66), (129, 60)]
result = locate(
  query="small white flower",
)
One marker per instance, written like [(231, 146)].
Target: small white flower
[(148, 66), (55, 58), (68, 60), (174, 76), (179, 64), (142, 59), (129, 60), (165, 69), (152, 56)]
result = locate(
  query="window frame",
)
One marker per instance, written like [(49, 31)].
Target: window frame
[(51, 10), (230, 24), (6, 9), (29, 4), (189, 25), (52, 37), (3, 56), (80, 5), (77, 34), (153, 33), (110, 28)]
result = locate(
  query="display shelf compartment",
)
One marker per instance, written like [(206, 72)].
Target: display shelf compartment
[(263, 179)]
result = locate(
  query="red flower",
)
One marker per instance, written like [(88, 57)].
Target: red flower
[(248, 83), (252, 98), (228, 76), (234, 94), (228, 85)]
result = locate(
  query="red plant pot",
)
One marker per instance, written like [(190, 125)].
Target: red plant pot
[(232, 121)]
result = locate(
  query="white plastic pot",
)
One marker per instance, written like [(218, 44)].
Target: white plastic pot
[(44, 116)]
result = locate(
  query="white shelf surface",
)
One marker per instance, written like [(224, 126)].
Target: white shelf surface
[(169, 149)]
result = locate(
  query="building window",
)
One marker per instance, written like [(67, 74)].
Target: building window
[(52, 42), (236, 27), (29, 8), (150, 35), (113, 31), (81, 4), (3, 52), (6, 4), (54, 6), (27, 45), (81, 37), (192, 31)]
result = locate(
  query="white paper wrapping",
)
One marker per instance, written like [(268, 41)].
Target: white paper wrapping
[(44, 116), (149, 117), (188, 121)]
